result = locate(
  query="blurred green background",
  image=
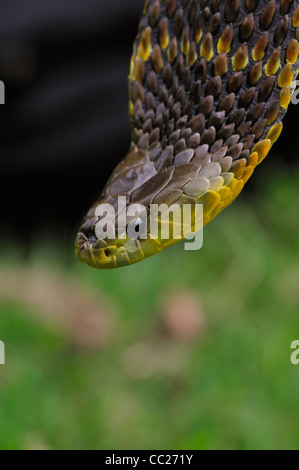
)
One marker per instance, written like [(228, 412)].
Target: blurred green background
[(186, 350)]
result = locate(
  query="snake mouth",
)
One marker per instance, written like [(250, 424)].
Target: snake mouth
[(96, 253)]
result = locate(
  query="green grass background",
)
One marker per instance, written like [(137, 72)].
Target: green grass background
[(234, 387)]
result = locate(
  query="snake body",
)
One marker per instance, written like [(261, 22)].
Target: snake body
[(210, 82)]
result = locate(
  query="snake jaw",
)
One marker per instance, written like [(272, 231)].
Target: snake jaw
[(111, 254)]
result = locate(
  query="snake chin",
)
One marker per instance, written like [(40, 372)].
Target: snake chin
[(101, 254)]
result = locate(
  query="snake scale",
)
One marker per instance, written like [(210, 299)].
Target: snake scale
[(209, 84)]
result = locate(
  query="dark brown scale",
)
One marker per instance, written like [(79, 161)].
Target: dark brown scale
[(163, 30), (150, 101), (197, 123), (208, 136), (192, 12), (154, 136), (186, 133), (179, 146), (170, 130), (196, 91), (267, 15), (258, 129), (152, 83), (235, 82), (235, 151), (173, 48), (175, 85), (266, 89), (226, 131), (215, 5), (197, 28), (245, 154), (281, 31), (216, 120), (149, 114), (246, 28), (157, 59), (214, 87), (201, 70), (217, 146), (255, 112), (185, 39), (272, 112), (248, 141), (227, 103), (176, 111), (215, 23), (167, 75), (203, 3), (233, 140), (174, 137), (251, 4), (243, 129), (170, 8), (206, 13), (188, 109), (236, 117), (285, 6), (186, 78), (255, 73), (148, 126), (192, 54), (247, 97), (206, 106), (163, 96), (220, 64), (138, 92), (193, 141), (159, 122), (179, 22), (180, 95), (181, 123), (154, 13), (231, 10)]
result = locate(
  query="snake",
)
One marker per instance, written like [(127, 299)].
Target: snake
[(209, 85)]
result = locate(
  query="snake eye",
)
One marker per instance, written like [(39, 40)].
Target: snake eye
[(137, 228), (138, 225)]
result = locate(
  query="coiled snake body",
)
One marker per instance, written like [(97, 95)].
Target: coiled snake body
[(209, 85)]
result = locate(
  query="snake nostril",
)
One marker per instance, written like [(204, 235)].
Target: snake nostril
[(108, 252)]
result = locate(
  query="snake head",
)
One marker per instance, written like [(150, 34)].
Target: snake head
[(117, 248), (118, 233)]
